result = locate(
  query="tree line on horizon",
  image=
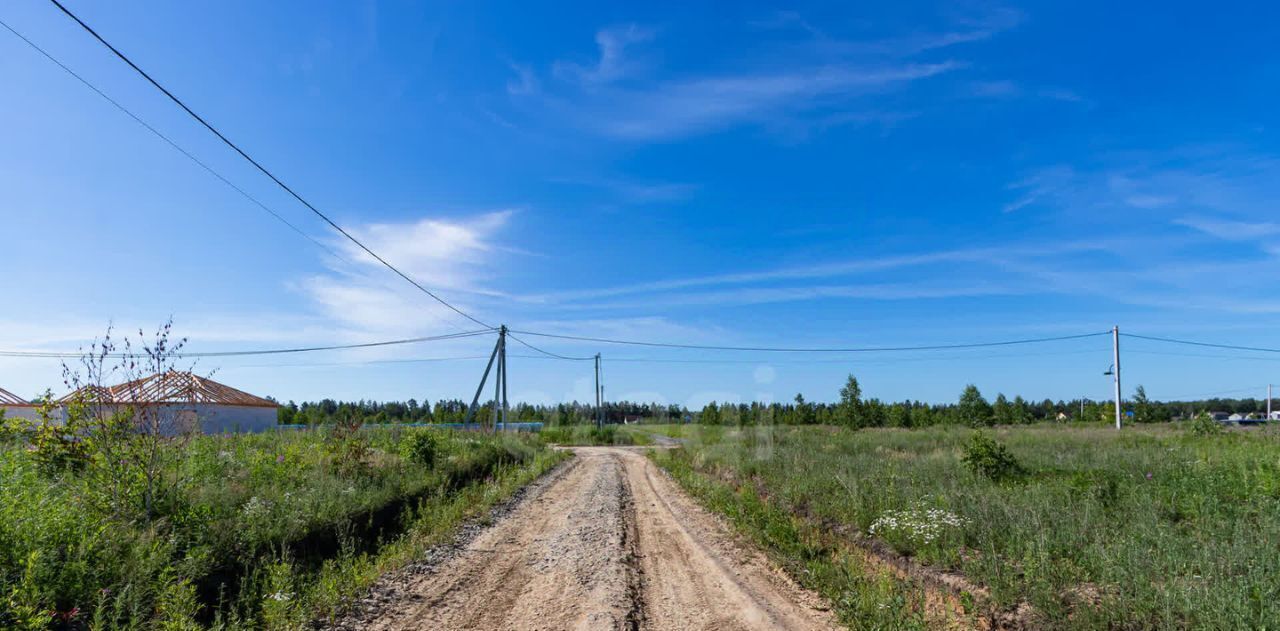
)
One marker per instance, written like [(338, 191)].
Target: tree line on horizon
[(850, 410)]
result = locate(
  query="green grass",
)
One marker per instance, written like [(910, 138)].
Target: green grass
[(262, 531), (1150, 527), (590, 435)]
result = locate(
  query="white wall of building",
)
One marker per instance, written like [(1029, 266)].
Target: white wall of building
[(174, 418), (20, 411)]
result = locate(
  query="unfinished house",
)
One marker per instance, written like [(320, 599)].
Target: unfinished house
[(177, 402), (15, 406)]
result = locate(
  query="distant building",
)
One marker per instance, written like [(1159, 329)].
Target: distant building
[(1220, 416), (181, 401), (1275, 416), (15, 406), (1236, 417)]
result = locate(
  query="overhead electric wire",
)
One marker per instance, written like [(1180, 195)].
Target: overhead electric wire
[(774, 349), (275, 351), (1203, 355), (663, 360), (1170, 340), (418, 360), (261, 168), (549, 353), (1201, 396), (168, 140)]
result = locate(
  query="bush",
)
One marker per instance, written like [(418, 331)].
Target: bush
[(348, 448), (988, 458), (1204, 425), (420, 447)]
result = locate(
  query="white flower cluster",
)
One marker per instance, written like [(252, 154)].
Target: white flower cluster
[(255, 506), (922, 525)]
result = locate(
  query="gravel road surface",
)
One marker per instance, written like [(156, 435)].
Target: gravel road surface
[(609, 542)]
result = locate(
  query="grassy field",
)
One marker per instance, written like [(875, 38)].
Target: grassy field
[(587, 434), (1150, 527), (257, 531)]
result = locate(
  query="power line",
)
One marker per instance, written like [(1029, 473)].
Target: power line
[(660, 360), (549, 353), (1170, 340), (1193, 397), (261, 168), (1204, 355), (849, 360), (168, 140), (418, 360), (276, 351), (767, 349)]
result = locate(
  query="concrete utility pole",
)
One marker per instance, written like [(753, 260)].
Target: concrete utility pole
[(502, 372), (1115, 345), (599, 411), (497, 382), (475, 401)]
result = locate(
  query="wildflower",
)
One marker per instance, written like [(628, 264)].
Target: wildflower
[(280, 459), (922, 525), (1149, 476), (255, 506), (283, 597)]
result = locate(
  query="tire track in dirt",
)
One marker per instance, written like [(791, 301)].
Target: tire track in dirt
[(611, 543)]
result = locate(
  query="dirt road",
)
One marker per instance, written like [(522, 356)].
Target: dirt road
[(609, 543)]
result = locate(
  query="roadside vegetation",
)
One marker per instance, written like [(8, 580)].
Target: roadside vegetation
[(589, 434), (258, 531), (1052, 526), (114, 517)]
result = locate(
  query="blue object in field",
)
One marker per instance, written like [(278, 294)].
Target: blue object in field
[(465, 427)]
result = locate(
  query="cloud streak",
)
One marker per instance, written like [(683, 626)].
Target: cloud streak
[(681, 108), (825, 78), (827, 270), (448, 255)]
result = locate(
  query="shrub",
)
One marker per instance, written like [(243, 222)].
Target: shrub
[(348, 448), (988, 458), (1204, 425), (59, 445), (420, 447)]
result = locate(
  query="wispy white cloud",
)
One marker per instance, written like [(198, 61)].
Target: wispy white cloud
[(449, 256), (1230, 230), (820, 82), (829, 269), (1008, 89), (612, 63), (907, 290), (1191, 182), (960, 30), (680, 108), (634, 191), (525, 81)]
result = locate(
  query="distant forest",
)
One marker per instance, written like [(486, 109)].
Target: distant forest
[(972, 409)]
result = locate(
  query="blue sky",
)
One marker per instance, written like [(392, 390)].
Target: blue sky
[(751, 174)]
